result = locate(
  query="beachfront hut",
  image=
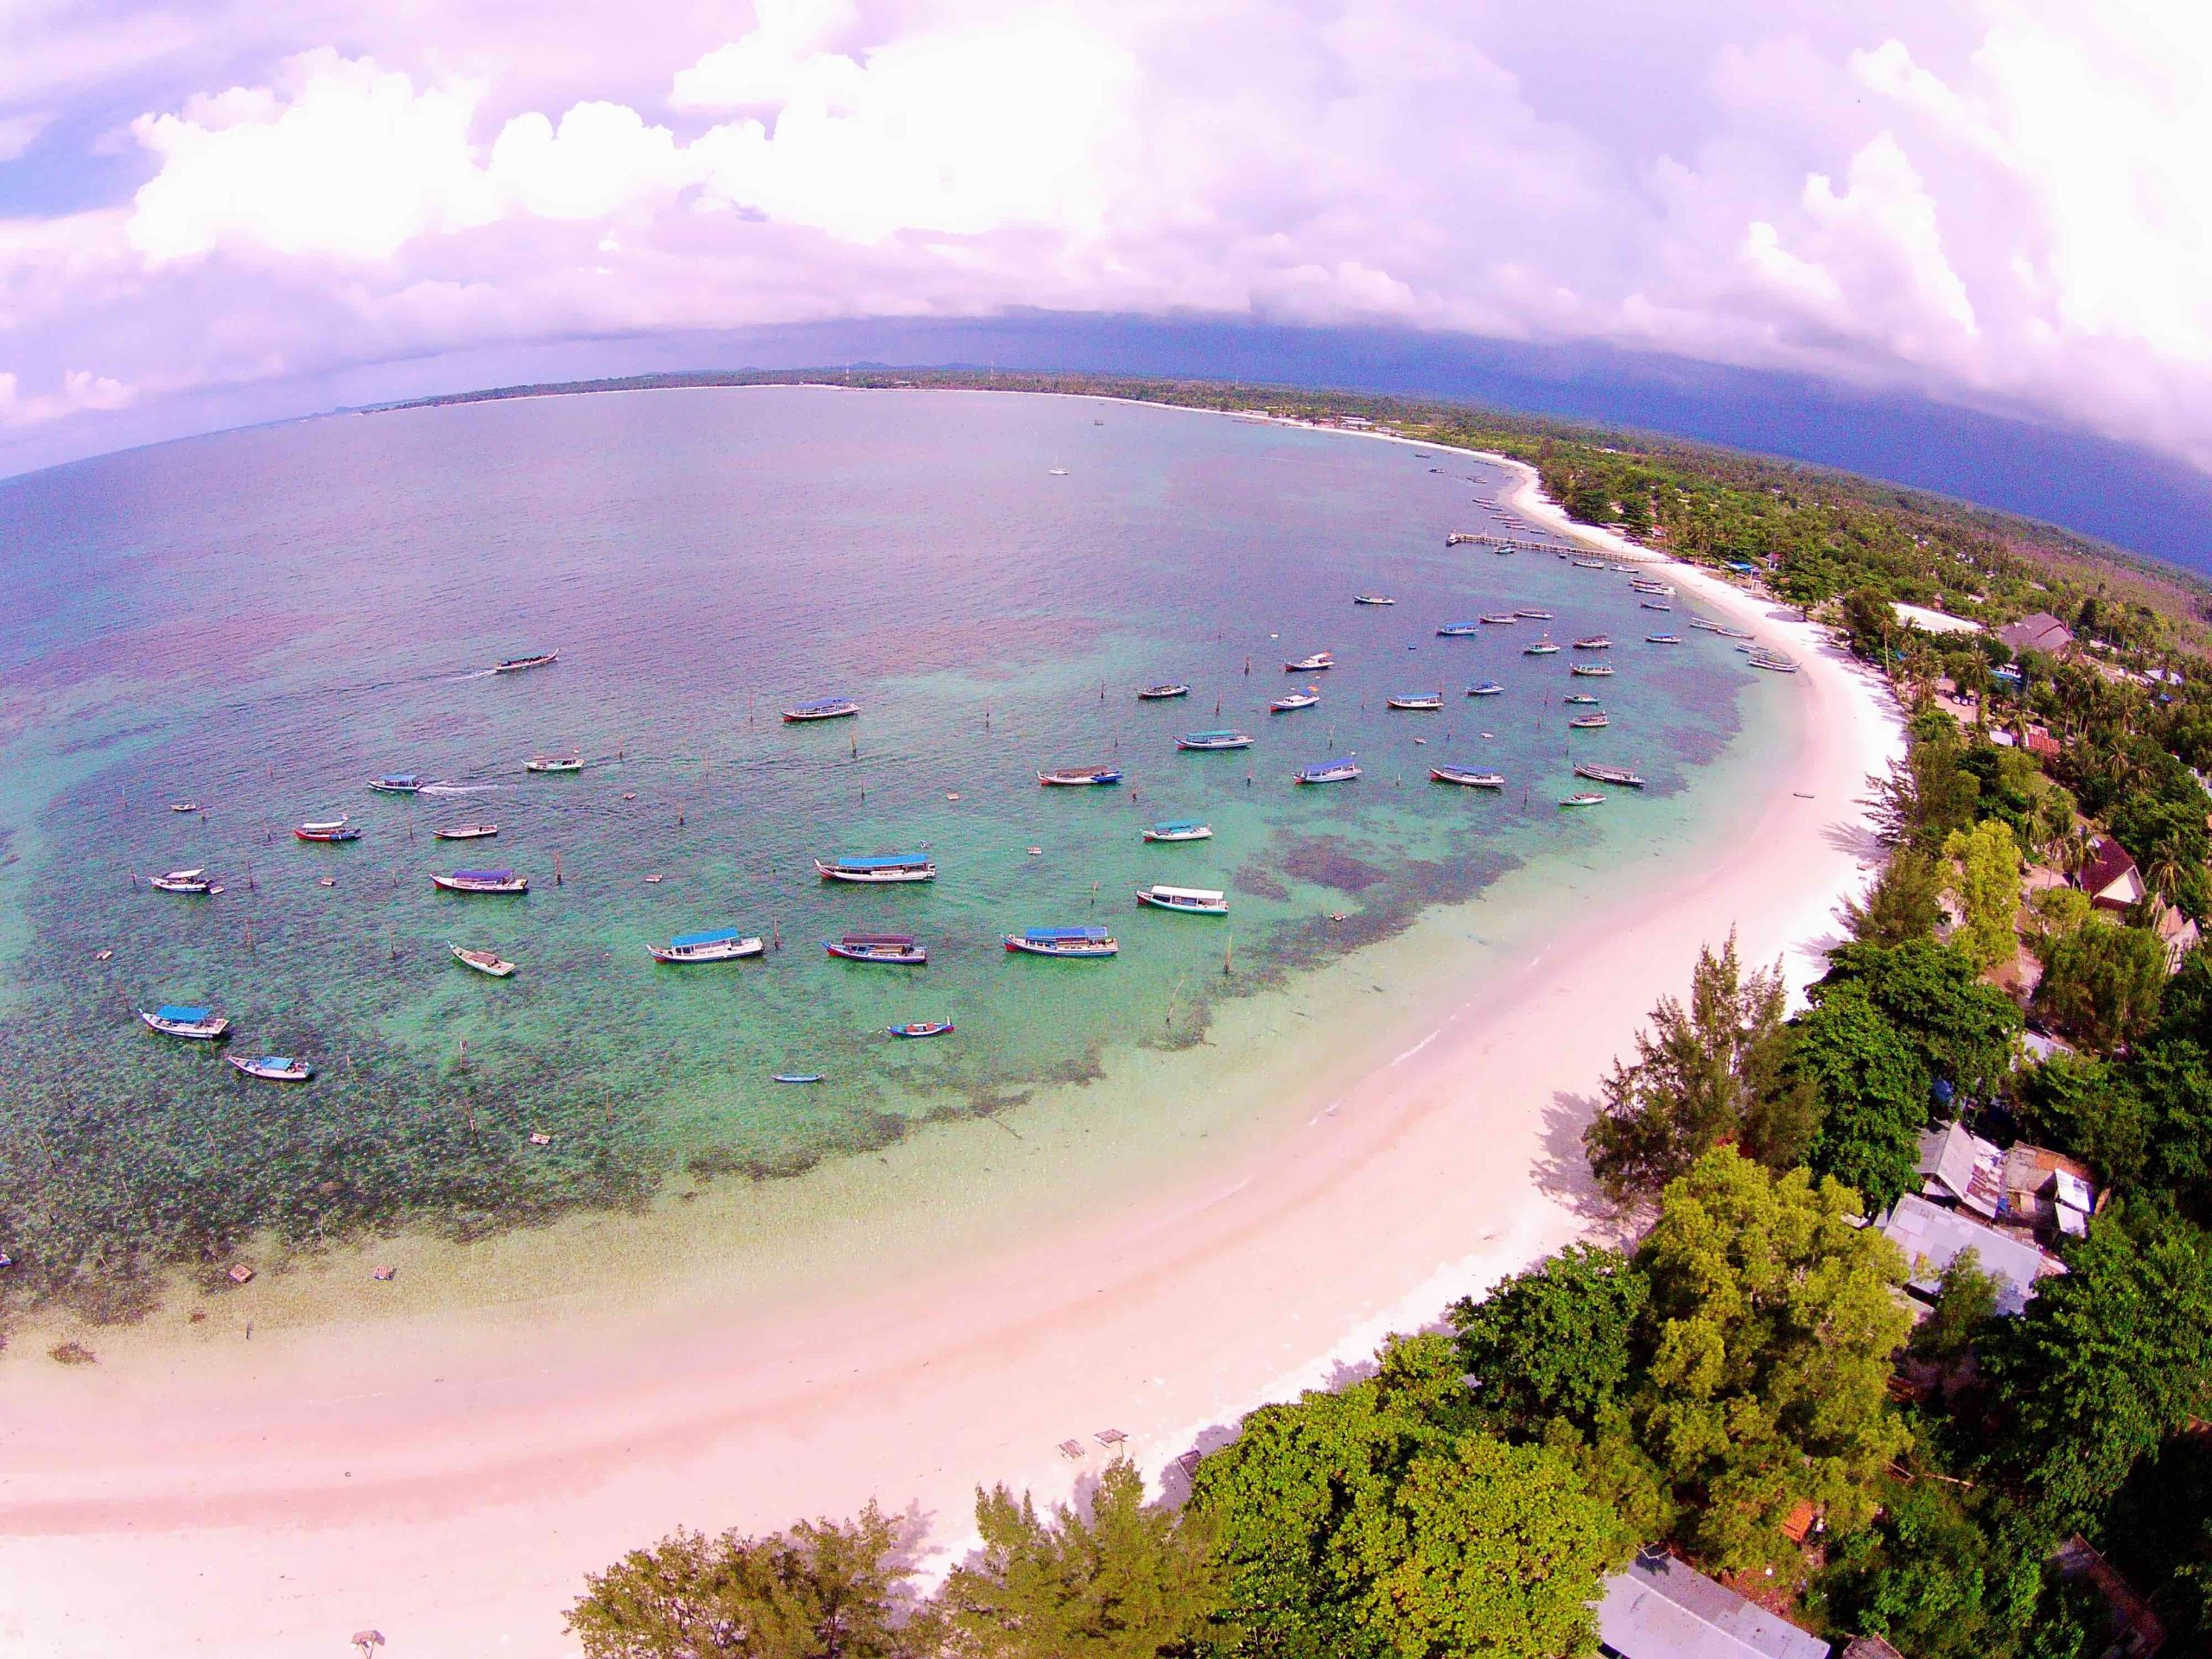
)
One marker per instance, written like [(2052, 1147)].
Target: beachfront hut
[(1929, 1235), (1660, 1608)]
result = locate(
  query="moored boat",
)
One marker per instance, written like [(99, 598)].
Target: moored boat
[(1179, 830), (1459, 630), (1161, 693), (1583, 799), (921, 1028), (1201, 740), (1468, 776), (1708, 626), (716, 944), (1500, 619), (878, 867), (1530, 612), (1588, 722), (897, 949), (1079, 943), (192, 1023), (1486, 689), (1579, 696), (273, 1068), (1734, 633), (500, 881), (1313, 665), (798, 1077), (1541, 648), (1327, 772), (516, 664), (826, 709), (329, 831), (1191, 901), (1595, 642), (1594, 670), (184, 806), (1645, 585), (1620, 775), (1372, 599), (554, 763), (188, 881), (465, 832), (1657, 605), (484, 961), (1290, 701), (1079, 777), (1662, 639), (1417, 702), (1773, 662), (1589, 564), (399, 783)]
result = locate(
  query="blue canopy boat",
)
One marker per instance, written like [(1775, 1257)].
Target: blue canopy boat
[(273, 1068), (399, 783), (715, 945), (1078, 777), (1418, 701), (878, 867), (899, 949), (1086, 944), (1327, 772), (827, 709), (1213, 740), (504, 881), (193, 1024), (1179, 830)]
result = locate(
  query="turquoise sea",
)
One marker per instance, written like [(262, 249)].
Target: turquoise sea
[(260, 621)]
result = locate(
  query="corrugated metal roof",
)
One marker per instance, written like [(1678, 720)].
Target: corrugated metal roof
[(1930, 1236), (1662, 1609)]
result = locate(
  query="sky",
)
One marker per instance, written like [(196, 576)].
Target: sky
[(219, 212)]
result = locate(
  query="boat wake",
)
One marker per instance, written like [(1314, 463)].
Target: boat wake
[(461, 788)]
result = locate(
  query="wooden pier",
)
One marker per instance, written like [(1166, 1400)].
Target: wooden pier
[(1512, 544)]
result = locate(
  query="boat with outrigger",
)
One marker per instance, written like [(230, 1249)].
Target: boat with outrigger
[(1645, 585), (1295, 700), (1190, 901), (826, 709), (1074, 944), (1327, 772), (400, 783), (193, 882), (1466, 777), (1079, 777), (1179, 830), (1618, 775), (188, 1021), (1319, 661), (484, 961), (554, 763), (516, 664), (921, 1028), (1486, 689), (875, 868), (715, 945), (1203, 742), (1416, 702), (492, 881), (465, 832), (273, 1068), (1161, 693), (892, 949)]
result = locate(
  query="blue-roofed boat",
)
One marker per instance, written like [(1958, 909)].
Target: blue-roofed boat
[(1083, 943), (878, 867), (1485, 688), (897, 949), (273, 1068), (715, 945), (1079, 777), (1313, 665), (516, 664), (503, 881), (1327, 772), (1459, 630), (1191, 901), (399, 783), (827, 709), (1466, 776), (1291, 700), (1662, 639), (1416, 701), (921, 1028), (1162, 693), (1205, 740), (1179, 830), (191, 1022)]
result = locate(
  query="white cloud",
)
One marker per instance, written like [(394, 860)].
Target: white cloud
[(80, 391), (603, 157), (762, 67)]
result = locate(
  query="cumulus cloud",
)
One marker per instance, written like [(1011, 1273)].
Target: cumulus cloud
[(1996, 201)]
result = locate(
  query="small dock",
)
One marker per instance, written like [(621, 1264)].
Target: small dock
[(1518, 544)]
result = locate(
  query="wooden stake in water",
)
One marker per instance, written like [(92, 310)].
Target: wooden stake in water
[(1230, 952), (556, 869)]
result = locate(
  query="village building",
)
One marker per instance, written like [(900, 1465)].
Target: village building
[(2041, 632), (1661, 1608), (1929, 1237), (2110, 877), (2019, 1187)]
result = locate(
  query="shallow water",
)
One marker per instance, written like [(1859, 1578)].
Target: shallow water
[(260, 621)]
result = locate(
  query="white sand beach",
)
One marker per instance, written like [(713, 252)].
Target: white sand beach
[(451, 1489)]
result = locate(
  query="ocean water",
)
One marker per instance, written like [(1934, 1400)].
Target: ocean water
[(258, 622)]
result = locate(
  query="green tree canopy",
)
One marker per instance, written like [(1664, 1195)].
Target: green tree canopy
[(1966, 1031), (1905, 901), (1872, 1086), (1553, 1341), (1987, 862), (1966, 1300), (2102, 984)]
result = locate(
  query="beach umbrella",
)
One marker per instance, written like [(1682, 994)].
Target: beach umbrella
[(368, 1640)]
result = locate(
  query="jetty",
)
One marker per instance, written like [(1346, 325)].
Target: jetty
[(1517, 544)]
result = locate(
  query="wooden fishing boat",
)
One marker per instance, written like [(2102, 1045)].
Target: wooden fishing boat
[(330, 832), (1595, 642), (1541, 648), (1620, 775), (921, 1028), (465, 832), (1179, 830), (1585, 799), (554, 763), (1645, 585), (1327, 772), (399, 783), (896, 950), (1772, 663), (1531, 613), (716, 944), (798, 1077), (516, 664), (194, 1025), (1076, 944), (1313, 665), (1372, 599), (273, 1068), (827, 709), (1079, 777), (1499, 619), (188, 881), (484, 961), (1589, 564), (1655, 605), (1467, 777), (1285, 704), (1161, 693), (184, 806), (499, 881), (1417, 702), (877, 868), (1709, 627), (1487, 688), (1662, 639), (1588, 722), (1594, 670), (1579, 696), (1191, 901), (1207, 741), (1459, 630), (1734, 633)]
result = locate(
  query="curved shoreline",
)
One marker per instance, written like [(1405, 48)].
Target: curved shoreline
[(458, 1515)]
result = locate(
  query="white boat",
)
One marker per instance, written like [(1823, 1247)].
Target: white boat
[(273, 1068), (484, 961), (1501, 619), (1372, 599), (1162, 693), (1585, 799), (877, 868), (1079, 777), (192, 881), (1459, 630), (399, 783), (1588, 722), (1191, 901), (717, 944), (1420, 702), (1594, 670), (194, 1025), (1327, 772), (1541, 648), (184, 806), (1620, 775), (465, 832), (504, 881), (1466, 776), (1285, 704), (1487, 688), (516, 664), (1078, 943), (1530, 613), (1774, 664), (1313, 665), (1595, 642), (1209, 740), (554, 763), (1179, 830), (827, 709)]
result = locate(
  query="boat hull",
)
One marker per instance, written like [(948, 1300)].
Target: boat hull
[(1200, 834), (1465, 780), (196, 1031), (483, 962), (922, 1029), (1080, 779), (1181, 907), (327, 837), (518, 885), (466, 832), (289, 1072), (1023, 947), (913, 957), (868, 878), (732, 950)]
